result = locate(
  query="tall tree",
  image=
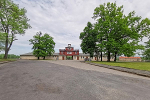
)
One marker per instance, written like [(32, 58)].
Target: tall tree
[(12, 21), (146, 53), (36, 42), (42, 45), (100, 38), (120, 33), (88, 37), (47, 45), (105, 16)]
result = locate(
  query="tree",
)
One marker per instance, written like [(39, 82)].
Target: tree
[(36, 44), (42, 45), (118, 33), (47, 45), (2, 41), (146, 53), (88, 37), (12, 21), (100, 38)]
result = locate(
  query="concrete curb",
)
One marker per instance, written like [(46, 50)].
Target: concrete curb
[(3, 62), (123, 69)]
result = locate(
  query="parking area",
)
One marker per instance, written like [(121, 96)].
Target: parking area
[(68, 80), (82, 65)]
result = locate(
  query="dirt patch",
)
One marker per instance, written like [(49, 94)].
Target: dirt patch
[(48, 88)]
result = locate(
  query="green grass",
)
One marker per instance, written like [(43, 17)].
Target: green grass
[(133, 65), (1, 60)]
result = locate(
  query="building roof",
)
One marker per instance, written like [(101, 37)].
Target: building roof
[(69, 47), (82, 54), (31, 54), (61, 49), (27, 54), (68, 50), (55, 54)]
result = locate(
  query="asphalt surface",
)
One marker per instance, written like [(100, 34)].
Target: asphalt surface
[(68, 80)]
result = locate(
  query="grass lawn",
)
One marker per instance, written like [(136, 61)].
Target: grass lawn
[(134, 65), (1, 60)]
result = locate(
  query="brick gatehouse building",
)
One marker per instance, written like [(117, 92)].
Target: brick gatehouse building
[(69, 53)]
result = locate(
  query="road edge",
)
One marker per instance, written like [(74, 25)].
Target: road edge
[(3, 62), (122, 69)]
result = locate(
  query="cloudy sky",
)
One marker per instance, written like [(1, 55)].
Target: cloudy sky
[(65, 19)]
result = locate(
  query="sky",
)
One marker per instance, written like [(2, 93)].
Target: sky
[(64, 20)]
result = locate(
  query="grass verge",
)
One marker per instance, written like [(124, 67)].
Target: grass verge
[(2, 60), (133, 65)]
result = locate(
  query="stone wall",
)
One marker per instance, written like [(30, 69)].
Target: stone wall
[(28, 57), (130, 59), (33, 57)]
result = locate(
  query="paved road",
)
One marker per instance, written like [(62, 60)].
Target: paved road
[(68, 80)]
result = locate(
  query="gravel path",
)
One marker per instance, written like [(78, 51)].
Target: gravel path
[(68, 80)]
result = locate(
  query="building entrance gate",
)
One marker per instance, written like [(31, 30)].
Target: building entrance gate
[(69, 57), (69, 53)]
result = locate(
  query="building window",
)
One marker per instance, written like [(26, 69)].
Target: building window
[(69, 52), (61, 52), (83, 56), (75, 52), (75, 57)]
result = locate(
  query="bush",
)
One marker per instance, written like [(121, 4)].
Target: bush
[(10, 56)]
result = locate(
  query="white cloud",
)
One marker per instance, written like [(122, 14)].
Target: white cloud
[(65, 19)]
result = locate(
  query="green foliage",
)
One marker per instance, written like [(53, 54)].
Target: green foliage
[(88, 37), (69, 58), (2, 42), (146, 53), (116, 33), (10, 56), (12, 21), (42, 45), (120, 32)]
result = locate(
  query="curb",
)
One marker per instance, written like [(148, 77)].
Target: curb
[(123, 69), (3, 62)]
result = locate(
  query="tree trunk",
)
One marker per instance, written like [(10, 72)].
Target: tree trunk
[(6, 47), (38, 58), (44, 58), (97, 55), (108, 57), (115, 57), (6, 53), (101, 56)]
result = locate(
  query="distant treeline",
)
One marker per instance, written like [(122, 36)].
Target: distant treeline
[(10, 56)]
